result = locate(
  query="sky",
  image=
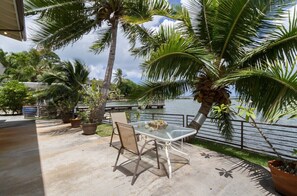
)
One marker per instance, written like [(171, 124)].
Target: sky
[(80, 50)]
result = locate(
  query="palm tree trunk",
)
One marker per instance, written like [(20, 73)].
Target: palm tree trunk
[(200, 117), (108, 72)]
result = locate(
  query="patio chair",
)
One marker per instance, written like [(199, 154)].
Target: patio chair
[(129, 142), (117, 117)]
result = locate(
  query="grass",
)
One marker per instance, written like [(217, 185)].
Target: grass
[(104, 130), (252, 157)]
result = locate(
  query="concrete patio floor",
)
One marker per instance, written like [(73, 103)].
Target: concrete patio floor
[(50, 158)]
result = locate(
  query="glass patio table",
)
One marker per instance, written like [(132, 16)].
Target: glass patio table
[(167, 135)]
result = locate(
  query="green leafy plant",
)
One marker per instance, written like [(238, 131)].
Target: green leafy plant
[(65, 82), (93, 99), (13, 95), (222, 115)]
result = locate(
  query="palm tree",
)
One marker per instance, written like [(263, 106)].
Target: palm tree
[(28, 66), (63, 22), (212, 39), (66, 83), (118, 77)]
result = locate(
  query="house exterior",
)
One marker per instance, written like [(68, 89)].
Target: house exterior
[(12, 20)]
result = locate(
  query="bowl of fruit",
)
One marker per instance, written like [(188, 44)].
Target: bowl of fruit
[(157, 124)]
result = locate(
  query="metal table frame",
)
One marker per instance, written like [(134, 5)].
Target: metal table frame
[(171, 134)]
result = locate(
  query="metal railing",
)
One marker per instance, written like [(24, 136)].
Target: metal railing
[(245, 136)]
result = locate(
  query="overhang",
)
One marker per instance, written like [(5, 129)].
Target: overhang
[(12, 20)]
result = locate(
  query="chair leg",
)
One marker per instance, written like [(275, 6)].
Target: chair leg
[(134, 175), (115, 165), (157, 155), (111, 139)]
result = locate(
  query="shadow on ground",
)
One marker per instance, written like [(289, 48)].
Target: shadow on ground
[(256, 173), (61, 131)]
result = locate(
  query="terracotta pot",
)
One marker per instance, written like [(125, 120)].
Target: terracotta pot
[(89, 128), (66, 117), (284, 182), (75, 123)]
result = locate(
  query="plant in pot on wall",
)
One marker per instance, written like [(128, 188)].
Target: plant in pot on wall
[(90, 118)]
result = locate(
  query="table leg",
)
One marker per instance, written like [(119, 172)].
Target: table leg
[(181, 152), (168, 159)]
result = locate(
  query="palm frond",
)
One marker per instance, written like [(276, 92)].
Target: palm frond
[(184, 22), (179, 57), (44, 6), (149, 91), (60, 33), (222, 116), (150, 39), (136, 34), (289, 112), (202, 15), (138, 12), (103, 41), (159, 7), (230, 29), (272, 88), (282, 44)]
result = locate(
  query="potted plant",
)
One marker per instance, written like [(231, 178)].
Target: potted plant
[(284, 176), (283, 172), (65, 110), (87, 124), (75, 122), (90, 117)]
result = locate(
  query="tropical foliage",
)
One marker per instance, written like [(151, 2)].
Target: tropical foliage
[(217, 43), (118, 77), (13, 95), (92, 99), (66, 81), (63, 22), (125, 86), (27, 66)]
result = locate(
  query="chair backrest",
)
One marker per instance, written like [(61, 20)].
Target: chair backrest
[(118, 117), (127, 137)]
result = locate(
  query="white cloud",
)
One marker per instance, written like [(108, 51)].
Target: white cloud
[(154, 23), (80, 50)]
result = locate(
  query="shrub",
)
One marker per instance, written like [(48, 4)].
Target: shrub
[(13, 95)]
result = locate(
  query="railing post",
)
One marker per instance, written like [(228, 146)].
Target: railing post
[(241, 134), (153, 116), (187, 122), (183, 120)]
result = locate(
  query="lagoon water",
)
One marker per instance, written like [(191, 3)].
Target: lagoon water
[(190, 107), (283, 138)]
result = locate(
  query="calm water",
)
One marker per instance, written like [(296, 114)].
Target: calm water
[(190, 107), (283, 138)]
